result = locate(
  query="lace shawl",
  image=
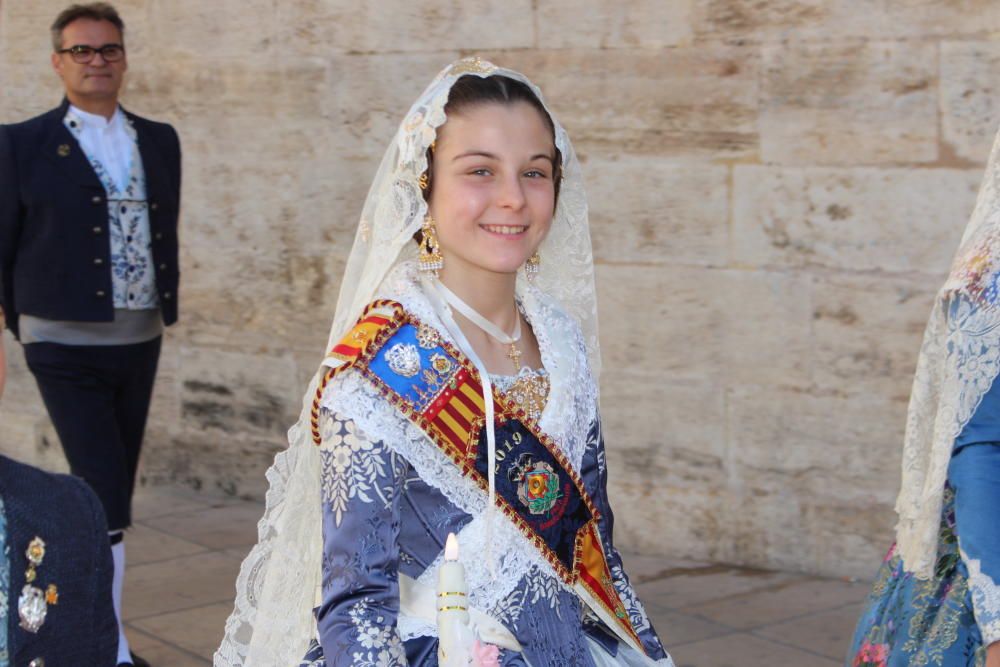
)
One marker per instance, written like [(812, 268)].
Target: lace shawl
[(959, 360)]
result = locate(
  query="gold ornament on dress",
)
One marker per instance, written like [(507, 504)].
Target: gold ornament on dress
[(430, 260), (530, 389), (473, 65), (532, 265), (530, 392)]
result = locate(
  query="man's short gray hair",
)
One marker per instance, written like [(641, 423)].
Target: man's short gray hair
[(95, 11)]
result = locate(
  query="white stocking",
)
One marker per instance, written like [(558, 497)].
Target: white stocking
[(118, 554)]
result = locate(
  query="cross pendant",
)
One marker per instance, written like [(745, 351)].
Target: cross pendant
[(515, 355)]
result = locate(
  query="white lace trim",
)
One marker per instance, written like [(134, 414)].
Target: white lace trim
[(985, 600)]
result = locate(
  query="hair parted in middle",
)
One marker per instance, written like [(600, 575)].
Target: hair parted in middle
[(471, 91)]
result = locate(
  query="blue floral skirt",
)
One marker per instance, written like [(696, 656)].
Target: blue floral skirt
[(910, 622)]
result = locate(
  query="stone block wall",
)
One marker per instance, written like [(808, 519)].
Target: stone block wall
[(776, 186)]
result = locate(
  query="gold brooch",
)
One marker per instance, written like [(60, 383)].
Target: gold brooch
[(63, 150)]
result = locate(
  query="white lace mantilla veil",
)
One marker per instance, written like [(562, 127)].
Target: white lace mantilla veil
[(279, 581), (959, 360)]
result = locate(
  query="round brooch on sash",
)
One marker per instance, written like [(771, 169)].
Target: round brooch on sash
[(537, 484)]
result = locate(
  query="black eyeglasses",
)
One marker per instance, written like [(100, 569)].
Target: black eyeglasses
[(83, 54)]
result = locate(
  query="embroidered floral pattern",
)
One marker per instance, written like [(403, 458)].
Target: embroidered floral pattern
[(871, 655), (920, 622), (133, 280), (382, 643), (352, 466)]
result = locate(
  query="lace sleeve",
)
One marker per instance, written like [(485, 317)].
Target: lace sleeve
[(975, 475), (361, 486), (595, 477)]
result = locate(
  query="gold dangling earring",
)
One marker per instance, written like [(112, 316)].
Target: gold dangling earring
[(531, 266), (431, 260)]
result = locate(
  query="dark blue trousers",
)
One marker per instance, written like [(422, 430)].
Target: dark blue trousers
[(98, 399)]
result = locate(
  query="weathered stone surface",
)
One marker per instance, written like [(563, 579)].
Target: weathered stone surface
[(237, 393), (970, 86), (27, 91), (867, 333), (898, 220), (698, 101), (368, 96), (669, 433), (236, 470), (652, 210), (818, 20), (855, 103), (691, 323), (245, 31), (646, 23), (214, 92), (798, 458), (25, 37), (667, 472), (313, 27)]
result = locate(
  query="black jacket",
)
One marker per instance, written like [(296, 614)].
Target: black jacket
[(55, 255), (80, 628)]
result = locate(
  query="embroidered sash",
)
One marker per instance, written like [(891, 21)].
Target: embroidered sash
[(437, 388)]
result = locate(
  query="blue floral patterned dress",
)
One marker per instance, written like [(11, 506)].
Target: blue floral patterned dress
[(380, 520), (951, 618)]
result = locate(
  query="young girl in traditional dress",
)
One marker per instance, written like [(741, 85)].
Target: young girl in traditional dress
[(459, 395)]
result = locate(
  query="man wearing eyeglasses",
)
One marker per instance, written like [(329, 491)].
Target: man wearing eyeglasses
[(89, 201)]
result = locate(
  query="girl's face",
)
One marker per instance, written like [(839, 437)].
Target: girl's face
[(493, 193)]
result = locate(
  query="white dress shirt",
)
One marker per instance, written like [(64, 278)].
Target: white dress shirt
[(105, 140)]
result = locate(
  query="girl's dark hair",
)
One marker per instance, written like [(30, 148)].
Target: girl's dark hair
[(470, 91)]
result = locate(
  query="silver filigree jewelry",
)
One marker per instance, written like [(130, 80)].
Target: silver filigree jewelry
[(32, 608), (403, 359)]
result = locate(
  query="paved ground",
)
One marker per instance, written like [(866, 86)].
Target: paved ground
[(185, 551)]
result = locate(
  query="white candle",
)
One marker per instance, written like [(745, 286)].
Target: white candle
[(452, 608)]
